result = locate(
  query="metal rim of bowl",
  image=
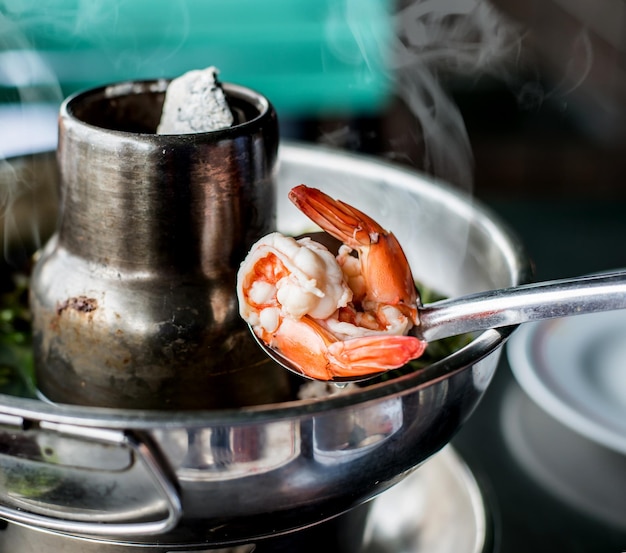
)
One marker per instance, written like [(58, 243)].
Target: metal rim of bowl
[(483, 345)]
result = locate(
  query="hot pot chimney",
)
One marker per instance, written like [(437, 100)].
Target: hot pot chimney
[(133, 298)]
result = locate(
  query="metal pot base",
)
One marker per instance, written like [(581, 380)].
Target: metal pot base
[(446, 512)]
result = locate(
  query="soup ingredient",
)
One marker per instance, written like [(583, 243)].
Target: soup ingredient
[(16, 356), (195, 102), (335, 317)]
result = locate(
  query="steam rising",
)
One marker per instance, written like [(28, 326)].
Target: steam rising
[(28, 82), (23, 69), (443, 38), (432, 41), (435, 41)]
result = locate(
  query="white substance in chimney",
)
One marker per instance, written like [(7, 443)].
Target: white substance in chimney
[(195, 102)]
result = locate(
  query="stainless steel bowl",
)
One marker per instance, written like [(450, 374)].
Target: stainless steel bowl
[(237, 476)]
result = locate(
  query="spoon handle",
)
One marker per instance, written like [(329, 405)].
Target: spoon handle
[(521, 304)]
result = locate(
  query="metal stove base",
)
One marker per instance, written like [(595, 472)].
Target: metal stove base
[(439, 508)]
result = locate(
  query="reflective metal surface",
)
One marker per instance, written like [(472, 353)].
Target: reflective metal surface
[(257, 472), (133, 297), (436, 509), (108, 481)]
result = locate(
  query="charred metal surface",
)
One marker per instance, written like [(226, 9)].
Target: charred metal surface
[(82, 304)]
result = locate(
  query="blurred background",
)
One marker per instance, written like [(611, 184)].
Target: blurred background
[(507, 99)]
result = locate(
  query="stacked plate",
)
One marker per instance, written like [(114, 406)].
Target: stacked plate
[(574, 369)]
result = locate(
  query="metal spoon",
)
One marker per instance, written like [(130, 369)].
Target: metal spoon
[(505, 307)]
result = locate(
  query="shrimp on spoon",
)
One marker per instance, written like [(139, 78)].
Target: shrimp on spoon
[(334, 317)]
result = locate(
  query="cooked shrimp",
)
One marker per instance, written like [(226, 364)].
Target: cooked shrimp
[(335, 317)]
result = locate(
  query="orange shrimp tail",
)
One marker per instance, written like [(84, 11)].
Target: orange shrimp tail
[(344, 222), (319, 355), (305, 342), (383, 261), (373, 354)]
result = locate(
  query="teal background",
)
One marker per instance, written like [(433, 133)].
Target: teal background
[(313, 57)]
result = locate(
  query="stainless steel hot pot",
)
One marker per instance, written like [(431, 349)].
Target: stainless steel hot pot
[(195, 479)]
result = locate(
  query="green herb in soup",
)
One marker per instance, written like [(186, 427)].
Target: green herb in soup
[(16, 351)]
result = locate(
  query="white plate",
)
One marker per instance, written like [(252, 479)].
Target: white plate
[(583, 474), (575, 369)]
